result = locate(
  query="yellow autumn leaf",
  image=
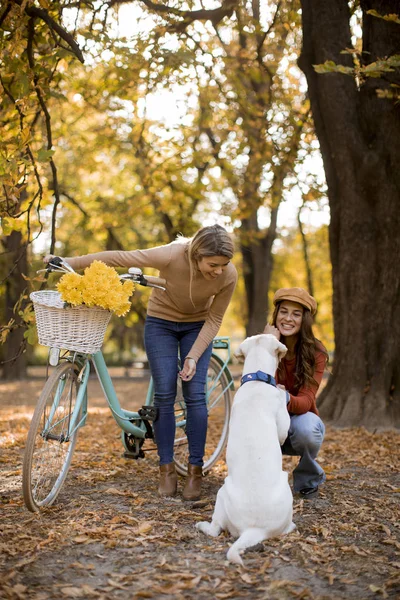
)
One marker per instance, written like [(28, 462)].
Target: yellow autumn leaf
[(72, 592), (115, 584), (144, 527), (375, 588), (9, 224), (89, 591), (81, 539), (117, 492), (19, 590)]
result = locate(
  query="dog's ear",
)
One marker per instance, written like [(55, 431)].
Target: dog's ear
[(241, 352), (280, 350), (275, 345)]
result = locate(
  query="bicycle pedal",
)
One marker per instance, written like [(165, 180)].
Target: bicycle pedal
[(148, 413), (132, 456)]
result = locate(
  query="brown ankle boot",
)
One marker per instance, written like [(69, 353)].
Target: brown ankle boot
[(168, 480), (192, 489)]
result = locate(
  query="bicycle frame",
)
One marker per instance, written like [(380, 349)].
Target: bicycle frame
[(125, 417), (122, 417)]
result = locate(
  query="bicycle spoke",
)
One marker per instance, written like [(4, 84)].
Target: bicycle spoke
[(51, 438)]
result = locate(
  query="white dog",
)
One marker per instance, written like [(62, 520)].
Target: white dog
[(255, 501)]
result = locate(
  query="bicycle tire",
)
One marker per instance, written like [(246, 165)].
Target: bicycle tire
[(47, 460), (219, 408)]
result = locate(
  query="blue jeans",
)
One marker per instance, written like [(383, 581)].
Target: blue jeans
[(305, 436), (166, 342)]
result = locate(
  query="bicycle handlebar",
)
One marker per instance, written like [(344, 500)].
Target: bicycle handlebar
[(56, 260), (136, 275), (56, 263), (155, 280)]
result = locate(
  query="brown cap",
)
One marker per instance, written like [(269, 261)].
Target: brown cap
[(296, 294)]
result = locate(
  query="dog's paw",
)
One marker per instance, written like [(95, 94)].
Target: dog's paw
[(208, 528), (291, 528), (202, 526), (233, 556)]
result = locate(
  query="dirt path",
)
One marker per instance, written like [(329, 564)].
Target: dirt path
[(109, 536)]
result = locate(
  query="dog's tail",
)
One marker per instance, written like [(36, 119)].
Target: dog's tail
[(250, 537)]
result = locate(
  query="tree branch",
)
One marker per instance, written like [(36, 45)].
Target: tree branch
[(75, 203), (5, 13), (28, 152), (33, 11), (31, 33), (189, 16)]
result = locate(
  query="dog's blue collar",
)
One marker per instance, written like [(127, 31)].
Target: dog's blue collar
[(258, 376)]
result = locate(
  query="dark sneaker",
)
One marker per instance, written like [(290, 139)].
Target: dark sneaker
[(309, 492)]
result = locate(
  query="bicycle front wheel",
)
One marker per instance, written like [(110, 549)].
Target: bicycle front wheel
[(51, 440), (219, 408)]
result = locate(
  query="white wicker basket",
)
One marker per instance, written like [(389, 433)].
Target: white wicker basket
[(78, 328)]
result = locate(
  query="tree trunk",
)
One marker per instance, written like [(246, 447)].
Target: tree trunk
[(14, 366), (359, 136), (306, 256), (257, 269)]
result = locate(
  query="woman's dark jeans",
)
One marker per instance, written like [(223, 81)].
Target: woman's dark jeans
[(166, 342)]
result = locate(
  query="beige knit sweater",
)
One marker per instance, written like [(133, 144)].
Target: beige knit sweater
[(210, 298)]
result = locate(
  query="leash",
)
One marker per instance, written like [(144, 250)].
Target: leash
[(258, 376)]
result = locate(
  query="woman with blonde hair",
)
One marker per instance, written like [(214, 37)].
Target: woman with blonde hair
[(300, 374), (181, 324)]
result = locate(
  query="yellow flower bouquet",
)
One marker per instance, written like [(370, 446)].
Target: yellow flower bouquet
[(100, 286)]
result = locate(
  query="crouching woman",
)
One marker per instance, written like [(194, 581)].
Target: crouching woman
[(300, 374)]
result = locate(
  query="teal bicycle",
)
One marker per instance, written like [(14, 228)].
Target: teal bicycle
[(62, 408)]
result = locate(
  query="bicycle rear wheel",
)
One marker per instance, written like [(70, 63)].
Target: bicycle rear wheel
[(50, 446), (219, 408)]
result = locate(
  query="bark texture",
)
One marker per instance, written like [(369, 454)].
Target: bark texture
[(257, 270), (359, 136), (14, 363)]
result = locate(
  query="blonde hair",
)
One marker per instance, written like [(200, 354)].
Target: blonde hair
[(212, 240)]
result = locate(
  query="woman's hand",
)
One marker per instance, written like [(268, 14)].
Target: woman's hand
[(272, 330), (48, 258), (189, 369)]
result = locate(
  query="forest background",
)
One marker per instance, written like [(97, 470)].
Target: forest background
[(126, 123)]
